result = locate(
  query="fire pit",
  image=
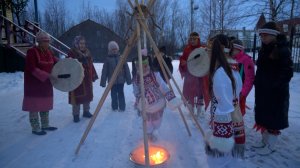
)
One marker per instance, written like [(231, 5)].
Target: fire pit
[(157, 156)]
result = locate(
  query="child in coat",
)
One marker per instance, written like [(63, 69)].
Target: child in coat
[(156, 94), (117, 90)]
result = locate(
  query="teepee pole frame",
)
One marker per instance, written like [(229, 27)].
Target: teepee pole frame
[(163, 67)]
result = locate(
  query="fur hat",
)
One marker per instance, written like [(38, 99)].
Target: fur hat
[(112, 45), (42, 36), (144, 52), (269, 28)]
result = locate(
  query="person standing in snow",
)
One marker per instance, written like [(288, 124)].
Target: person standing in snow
[(156, 94), (224, 85), (273, 74), (246, 69), (167, 59), (192, 85), (83, 94), (38, 90), (117, 90)]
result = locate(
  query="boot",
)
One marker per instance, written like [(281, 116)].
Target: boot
[(76, 118), (39, 132), (49, 129), (45, 122), (35, 123), (269, 147), (262, 143), (87, 114)]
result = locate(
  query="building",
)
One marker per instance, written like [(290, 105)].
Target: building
[(97, 38), (246, 36)]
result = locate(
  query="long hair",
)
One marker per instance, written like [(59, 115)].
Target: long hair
[(218, 59)]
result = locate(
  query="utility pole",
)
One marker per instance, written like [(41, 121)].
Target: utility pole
[(209, 15), (192, 16), (193, 8), (222, 15), (36, 17)]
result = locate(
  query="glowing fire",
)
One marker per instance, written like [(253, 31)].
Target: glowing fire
[(157, 155)]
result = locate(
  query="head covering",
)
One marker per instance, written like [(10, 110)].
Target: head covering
[(42, 36), (238, 44), (194, 34), (76, 41), (144, 52), (113, 47), (269, 28)]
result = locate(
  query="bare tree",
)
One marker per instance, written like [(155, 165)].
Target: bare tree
[(56, 19), (30, 13), (277, 9), (17, 7), (123, 18), (86, 11)]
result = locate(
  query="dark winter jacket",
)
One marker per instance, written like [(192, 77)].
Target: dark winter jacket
[(273, 74), (109, 66), (157, 68)]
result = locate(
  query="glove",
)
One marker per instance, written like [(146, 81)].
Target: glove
[(174, 103)]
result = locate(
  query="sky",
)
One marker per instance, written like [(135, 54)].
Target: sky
[(74, 5), (114, 135)]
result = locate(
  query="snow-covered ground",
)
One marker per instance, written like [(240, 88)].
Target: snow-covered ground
[(115, 134)]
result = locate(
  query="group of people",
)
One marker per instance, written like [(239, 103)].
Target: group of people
[(38, 89), (230, 79)]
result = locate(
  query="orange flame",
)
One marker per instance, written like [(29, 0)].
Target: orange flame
[(157, 155)]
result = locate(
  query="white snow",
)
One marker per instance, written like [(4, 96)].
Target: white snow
[(115, 134)]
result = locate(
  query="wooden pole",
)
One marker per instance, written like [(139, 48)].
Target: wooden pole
[(140, 73), (108, 88), (159, 58), (162, 64), (125, 54)]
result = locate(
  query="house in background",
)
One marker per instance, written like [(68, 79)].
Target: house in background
[(246, 36), (97, 38), (287, 25)]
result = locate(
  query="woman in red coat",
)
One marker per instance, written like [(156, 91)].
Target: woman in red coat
[(38, 90), (192, 85), (83, 94)]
